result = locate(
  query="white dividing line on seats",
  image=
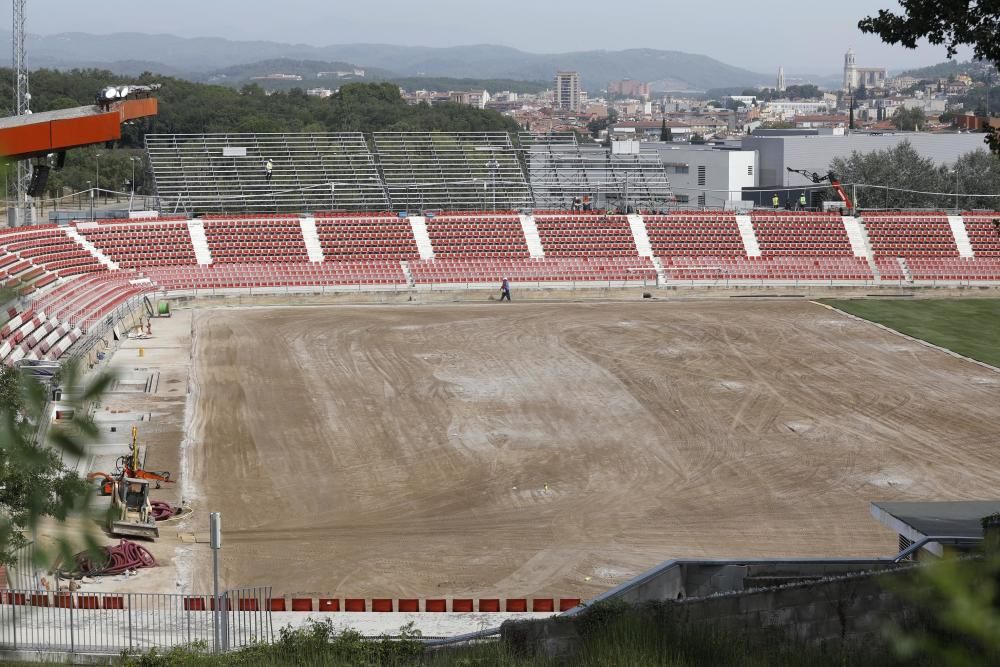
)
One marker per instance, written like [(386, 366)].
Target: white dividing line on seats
[(91, 248), (313, 247), (858, 237), (961, 235), (531, 236), (419, 226), (640, 235), (199, 241), (750, 243)]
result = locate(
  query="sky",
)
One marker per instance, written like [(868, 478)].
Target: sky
[(803, 36)]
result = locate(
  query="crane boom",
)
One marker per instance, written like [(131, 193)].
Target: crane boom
[(830, 178)]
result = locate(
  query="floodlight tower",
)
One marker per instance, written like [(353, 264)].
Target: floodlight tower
[(22, 99)]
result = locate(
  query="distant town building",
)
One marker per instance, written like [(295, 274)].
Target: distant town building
[(278, 77), (342, 74), (478, 98), (629, 88), (861, 77), (319, 92), (781, 79), (567, 91)]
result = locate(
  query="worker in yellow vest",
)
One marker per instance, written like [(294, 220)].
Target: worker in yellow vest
[(775, 201), (802, 200)]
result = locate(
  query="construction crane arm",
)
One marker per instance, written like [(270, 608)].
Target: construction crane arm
[(830, 178)]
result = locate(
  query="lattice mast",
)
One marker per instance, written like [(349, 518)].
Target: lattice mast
[(22, 99)]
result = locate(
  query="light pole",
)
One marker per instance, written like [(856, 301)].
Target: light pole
[(98, 160), (955, 172), (131, 194), (90, 189)]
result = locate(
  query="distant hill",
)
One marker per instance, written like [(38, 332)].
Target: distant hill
[(939, 71), (196, 58), (312, 72)]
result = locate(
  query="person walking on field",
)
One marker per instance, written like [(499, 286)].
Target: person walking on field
[(268, 168), (505, 290)]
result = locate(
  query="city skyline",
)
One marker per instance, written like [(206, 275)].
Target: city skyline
[(746, 39)]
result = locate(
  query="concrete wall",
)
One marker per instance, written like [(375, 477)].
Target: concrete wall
[(850, 609)]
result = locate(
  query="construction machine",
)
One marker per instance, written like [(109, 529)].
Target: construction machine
[(131, 512), (830, 178)]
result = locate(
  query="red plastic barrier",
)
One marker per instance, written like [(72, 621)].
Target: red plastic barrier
[(64, 600), (407, 605), (276, 604), (326, 604), (228, 604), (433, 605), (194, 604), (114, 602), (39, 599), (87, 602), (382, 605), (461, 605), (248, 604), (355, 604), (489, 604), (565, 604), (302, 604), (515, 604), (543, 604), (13, 598)]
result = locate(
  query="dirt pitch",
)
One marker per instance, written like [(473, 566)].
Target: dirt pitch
[(559, 449)]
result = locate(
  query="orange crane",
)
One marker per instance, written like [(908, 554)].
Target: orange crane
[(830, 178)]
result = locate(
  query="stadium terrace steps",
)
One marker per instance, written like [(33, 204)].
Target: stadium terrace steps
[(91, 248), (199, 242), (961, 236), (418, 225), (640, 236), (309, 235), (530, 230), (749, 235)]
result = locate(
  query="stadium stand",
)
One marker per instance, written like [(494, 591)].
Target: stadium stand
[(560, 171), (910, 235), (456, 171), (356, 237), (374, 272), (224, 173), (577, 235), (255, 239), (141, 244), (695, 233), (984, 232)]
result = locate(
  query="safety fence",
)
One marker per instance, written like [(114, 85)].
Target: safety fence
[(93, 622), (428, 605)]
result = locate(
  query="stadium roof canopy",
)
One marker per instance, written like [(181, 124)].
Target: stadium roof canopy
[(38, 134)]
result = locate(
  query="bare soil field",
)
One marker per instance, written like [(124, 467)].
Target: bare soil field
[(559, 449)]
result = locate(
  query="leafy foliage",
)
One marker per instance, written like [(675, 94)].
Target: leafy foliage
[(890, 172), (951, 24), (34, 484), (909, 119)]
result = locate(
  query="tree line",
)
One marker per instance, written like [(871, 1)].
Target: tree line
[(186, 107)]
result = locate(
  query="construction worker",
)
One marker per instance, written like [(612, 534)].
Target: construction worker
[(775, 201), (268, 168), (802, 200)]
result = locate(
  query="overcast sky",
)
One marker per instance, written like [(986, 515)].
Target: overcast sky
[(803, 36)]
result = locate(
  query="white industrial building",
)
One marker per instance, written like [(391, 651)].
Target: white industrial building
[(707, 175)]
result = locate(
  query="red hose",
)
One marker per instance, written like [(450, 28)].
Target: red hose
[(162, 510), (126, 556)]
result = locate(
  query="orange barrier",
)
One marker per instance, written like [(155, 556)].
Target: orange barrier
[(64, 600), (248, 604), (407, 605), (355, 604), (276, 604), (39, 599), (191, 604), (516, 605), (382, 605), (116, 602), (326, 604), (461, 605), (302, 604), (87, 602), (565, 604), (489, 604), (436, 606), (543, 604)]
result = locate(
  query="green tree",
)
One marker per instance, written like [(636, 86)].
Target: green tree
[(666, 134), (948, 24), (909, 120), (34, 484)]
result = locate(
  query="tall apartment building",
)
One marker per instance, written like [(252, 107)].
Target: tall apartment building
[(567, 93), (629, 87)]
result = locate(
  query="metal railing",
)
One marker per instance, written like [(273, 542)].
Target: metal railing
[(93, 622)]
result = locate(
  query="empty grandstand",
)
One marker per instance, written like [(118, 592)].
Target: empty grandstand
[(456, 171), (560, 170), (226, 173)]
